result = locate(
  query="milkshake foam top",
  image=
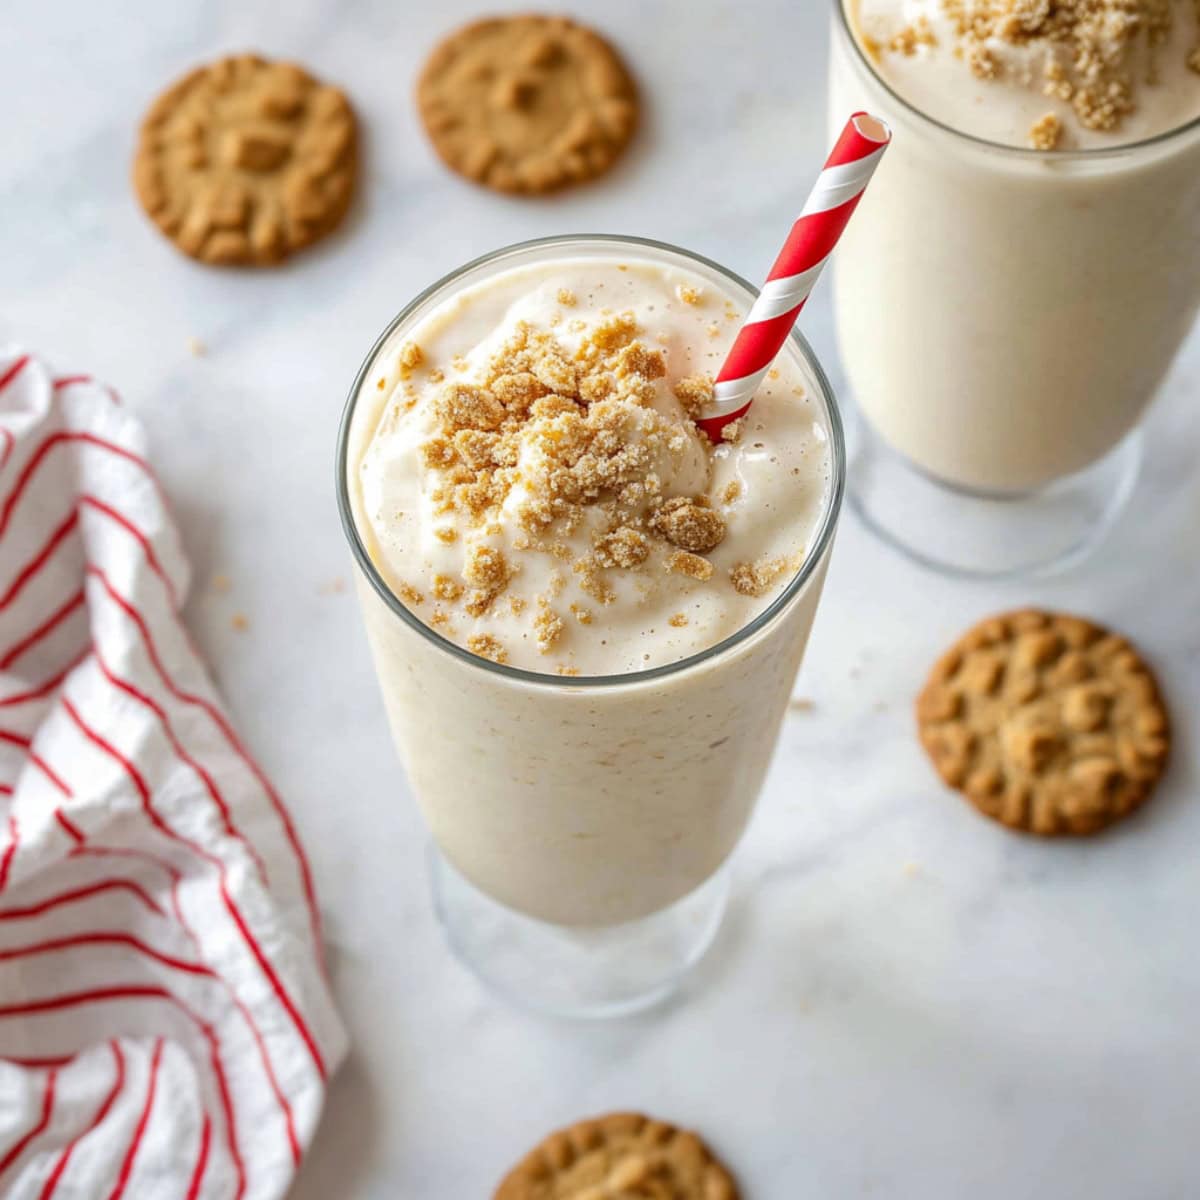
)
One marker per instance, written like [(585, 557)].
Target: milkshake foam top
[(528, 479), (1051, 74)]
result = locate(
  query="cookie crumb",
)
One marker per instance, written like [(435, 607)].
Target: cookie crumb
[(911, 37), (678, 620), (694, 393), (733, 489), (689, 525), (221, 584), (688, 294), (624, 547), (487, 571), (548, 626), (445, 588), (983, 63), (683, 562), (409, 595), (196, 348), (487, 646), (732, 433), (800, 705), (1045, 132), (566, 297), (756, 579), (911, 869), (240, 622)]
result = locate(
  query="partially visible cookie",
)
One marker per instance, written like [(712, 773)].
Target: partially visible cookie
[(527, 103), (619, 1156), (1045, 722), (244, 161)]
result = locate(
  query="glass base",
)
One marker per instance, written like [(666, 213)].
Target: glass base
[(578, 972), (981, 535)]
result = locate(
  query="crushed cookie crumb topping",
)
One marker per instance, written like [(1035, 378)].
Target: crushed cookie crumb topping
[(694, 392), (410, 595), (445, 588), (489, 646), (1045, 132), (1089, 45), (622, 547), (547, 625), (757, 578), (410, 356), (689, 524), (907, 41), (551, 437), (683, 562)]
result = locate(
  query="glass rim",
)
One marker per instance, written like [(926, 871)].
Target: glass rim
[(818, 546), (1088, 154)]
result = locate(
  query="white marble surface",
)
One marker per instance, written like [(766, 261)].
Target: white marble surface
[(1018, 1019)]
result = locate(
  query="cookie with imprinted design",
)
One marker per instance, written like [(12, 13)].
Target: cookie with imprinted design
[(243, 161), (1047, 723), (618, 1157), (527, 103)]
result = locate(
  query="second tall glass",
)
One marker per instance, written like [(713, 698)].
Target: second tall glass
[(1005, 317)]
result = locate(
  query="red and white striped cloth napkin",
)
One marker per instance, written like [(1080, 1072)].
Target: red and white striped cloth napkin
[(166, 1029)]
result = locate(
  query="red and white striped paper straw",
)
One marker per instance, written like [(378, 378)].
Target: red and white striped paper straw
[(847, 172)]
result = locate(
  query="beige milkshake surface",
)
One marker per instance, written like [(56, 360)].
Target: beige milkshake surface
[(1050, 74), (528, 479)]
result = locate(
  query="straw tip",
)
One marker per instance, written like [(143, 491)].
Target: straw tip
[(873, 128)]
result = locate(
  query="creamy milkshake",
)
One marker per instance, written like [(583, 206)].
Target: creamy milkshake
[(586, 619), (1020, 276)]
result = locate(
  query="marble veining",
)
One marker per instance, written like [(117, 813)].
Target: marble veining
[(906, 1001)]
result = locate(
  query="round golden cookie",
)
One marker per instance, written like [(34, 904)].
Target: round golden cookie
[(527, 103), (1045, 722), (618, 1156), (244, 161)]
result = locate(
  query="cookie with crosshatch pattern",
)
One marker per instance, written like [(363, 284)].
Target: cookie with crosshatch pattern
[(527, 103), (243, 161), (619, 1157), (1047, 723)]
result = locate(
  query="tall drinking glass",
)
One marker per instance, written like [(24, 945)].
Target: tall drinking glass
[(1005, 317), (581, 825)]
